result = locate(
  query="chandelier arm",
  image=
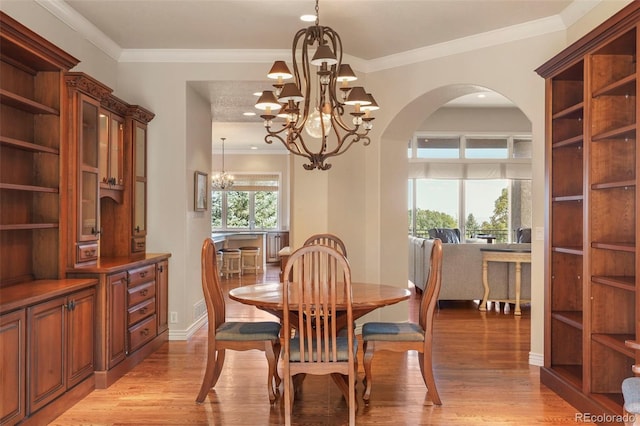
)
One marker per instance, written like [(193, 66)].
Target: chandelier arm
[(356, 138)]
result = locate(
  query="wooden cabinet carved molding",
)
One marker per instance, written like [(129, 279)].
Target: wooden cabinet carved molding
[(591, 286)]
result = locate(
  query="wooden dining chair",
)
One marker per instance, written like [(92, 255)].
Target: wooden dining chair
[(238, 336), (330, 240), (312, 297), (401, 337)]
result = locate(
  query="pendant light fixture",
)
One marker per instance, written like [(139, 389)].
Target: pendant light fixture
[(222, 180), (316, 102)]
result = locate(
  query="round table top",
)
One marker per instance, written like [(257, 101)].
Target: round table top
[(365, 296)]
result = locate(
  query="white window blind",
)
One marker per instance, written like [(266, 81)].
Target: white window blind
[(256, 182)]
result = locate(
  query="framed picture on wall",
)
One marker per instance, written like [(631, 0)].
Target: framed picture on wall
[(200, 191)]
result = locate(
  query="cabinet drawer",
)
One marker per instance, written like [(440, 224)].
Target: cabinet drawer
[(142, 310), (87, 252), (141, 293), (142, 332), (142, 275), (138, 244)]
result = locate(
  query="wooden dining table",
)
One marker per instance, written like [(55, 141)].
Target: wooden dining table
[(365, 298)]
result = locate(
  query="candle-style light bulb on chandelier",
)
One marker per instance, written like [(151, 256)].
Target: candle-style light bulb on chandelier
[(222, 180), (324, 115)]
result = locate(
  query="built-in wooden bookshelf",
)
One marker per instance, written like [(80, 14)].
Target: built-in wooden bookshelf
[(591, 257)]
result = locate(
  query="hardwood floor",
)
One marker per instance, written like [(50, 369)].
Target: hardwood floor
[(481, 369)]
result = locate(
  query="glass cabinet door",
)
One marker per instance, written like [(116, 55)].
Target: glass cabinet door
[(89, 208), (116, 149), (111, 150), (140, 188)]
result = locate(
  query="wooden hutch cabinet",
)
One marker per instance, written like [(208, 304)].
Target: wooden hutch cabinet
[(80, 303), (591, 296)]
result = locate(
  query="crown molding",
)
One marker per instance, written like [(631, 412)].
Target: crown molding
[(466, 44), (65, 13), (77, 22)]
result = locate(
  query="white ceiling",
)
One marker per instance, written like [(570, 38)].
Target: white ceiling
[(374, 33)]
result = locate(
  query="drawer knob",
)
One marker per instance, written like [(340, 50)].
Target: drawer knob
[(144, 292)]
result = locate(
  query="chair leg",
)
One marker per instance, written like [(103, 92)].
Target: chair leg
[(353, 406), (215, 361), (272, 363), (288, 398), (426, 367), (367, 349), (277, 347)]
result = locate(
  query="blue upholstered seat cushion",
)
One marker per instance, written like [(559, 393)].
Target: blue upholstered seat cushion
[(402, 331), (631, 393), (264, 330), (342, 341)]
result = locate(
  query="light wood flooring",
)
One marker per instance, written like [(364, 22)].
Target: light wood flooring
[(481, 369)]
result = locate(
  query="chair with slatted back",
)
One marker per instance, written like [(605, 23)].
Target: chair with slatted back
[(401, 337), (239, 336), (312, 297), (330, 240)]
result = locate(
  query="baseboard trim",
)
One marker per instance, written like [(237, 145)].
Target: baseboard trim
[(186, 334), (536, 359)]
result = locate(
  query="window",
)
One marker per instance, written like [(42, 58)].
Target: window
[(438, 147), (486, 208), (486, 148), (252, 203), (479, 184)]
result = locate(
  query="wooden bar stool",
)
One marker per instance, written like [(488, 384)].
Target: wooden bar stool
[(249, 259), (230, 262)]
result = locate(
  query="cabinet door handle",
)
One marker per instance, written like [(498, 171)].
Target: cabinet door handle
[(160, 268), (71, 305), (138, 228)]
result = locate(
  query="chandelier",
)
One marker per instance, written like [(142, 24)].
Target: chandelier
[(320, 120), (222, 180)]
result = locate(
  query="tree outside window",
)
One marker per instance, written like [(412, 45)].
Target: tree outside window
[(251, 204)]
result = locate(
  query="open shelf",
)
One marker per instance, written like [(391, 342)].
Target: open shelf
[(623, 87), (31, 188), (26, 146), (28, 105), (624, 283)]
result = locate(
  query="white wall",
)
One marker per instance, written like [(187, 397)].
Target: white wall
[(448, 119), (184, 295), (363, 197)]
